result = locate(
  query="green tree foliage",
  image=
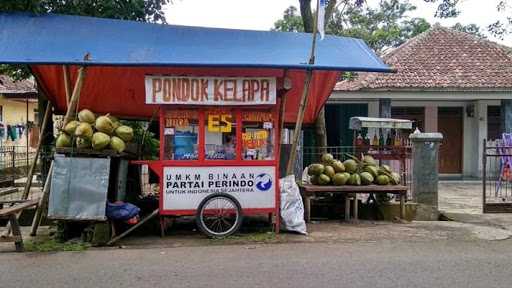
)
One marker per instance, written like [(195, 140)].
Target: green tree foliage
[(138, 10), (384, 26), (291, 22), (470, 29), (500, 28)]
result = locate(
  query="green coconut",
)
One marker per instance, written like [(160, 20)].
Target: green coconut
[(100, 140), (329, 171), (126, 133), (338, 166), (83, 143), (327, 158), (314, 180), (340, 179), (84, 130), (386, 168), (104, 124), (63, 141), (366, 178), (382, 180), (323, 179), (316, 169), (354, 179), (372, 170), (117, 144), (115, 121), (86, 116), (71, 127), (350, 166), (369, 160), (395, 178)]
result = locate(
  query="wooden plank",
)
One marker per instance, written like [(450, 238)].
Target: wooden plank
[(357, 189), (10, 238), (89, 152), (17, 208), (8, 191), (42, 203), (117, 238), (16, 232), (32, 169)]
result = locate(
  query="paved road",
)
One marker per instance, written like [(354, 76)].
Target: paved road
[(451, 264)]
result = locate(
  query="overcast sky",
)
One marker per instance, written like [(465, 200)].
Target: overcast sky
[(261, 14)]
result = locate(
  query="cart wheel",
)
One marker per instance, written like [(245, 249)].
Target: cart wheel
[(219, 215)]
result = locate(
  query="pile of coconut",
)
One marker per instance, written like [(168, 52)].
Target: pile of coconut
[(99, 133)]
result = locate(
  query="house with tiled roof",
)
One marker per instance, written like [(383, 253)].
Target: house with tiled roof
[(446, 81), (18, 110)]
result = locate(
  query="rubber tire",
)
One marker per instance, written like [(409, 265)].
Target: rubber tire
[(203, 229)]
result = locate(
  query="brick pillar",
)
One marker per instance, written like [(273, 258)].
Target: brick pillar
[(425, 174), (506, 116)]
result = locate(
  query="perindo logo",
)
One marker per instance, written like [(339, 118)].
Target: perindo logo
[(263, 182)]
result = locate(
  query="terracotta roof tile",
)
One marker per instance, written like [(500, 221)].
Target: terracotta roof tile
[(441, 58), (8, 86)]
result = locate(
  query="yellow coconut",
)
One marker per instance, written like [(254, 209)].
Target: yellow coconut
[(100, 140), (117, 144), (84, 130), (86, 116)]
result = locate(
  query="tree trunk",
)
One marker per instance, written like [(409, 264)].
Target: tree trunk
[(307, 15), (321, 130), (308, 22)]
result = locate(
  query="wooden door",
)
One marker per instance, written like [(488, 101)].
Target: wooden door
[(450, 124), (337, 118)]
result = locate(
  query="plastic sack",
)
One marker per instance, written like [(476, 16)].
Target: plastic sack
[(121, 211), (292, 208)]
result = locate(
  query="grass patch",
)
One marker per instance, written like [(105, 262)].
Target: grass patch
[(51, 245), (259, 237)]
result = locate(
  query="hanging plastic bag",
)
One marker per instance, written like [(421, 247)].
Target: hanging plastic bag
[(292, 208)]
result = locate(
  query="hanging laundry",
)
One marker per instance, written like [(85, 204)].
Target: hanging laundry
[(11, 132)]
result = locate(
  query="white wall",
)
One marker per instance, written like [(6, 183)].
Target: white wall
[(474, 128)]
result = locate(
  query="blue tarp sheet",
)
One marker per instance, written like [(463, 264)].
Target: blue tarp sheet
[(64, 39)]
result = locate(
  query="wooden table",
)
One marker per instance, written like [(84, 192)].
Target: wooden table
[(351, 193), (11, 214)]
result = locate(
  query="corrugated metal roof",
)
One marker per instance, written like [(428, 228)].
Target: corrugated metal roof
[(64, 39)]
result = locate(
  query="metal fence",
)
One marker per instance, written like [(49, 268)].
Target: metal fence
[(15, 159), (402, 164), (497, 177)]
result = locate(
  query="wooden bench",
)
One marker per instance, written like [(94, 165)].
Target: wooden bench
[(351, 192), (11, 214)]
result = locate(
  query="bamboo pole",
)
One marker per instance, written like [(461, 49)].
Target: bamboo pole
[(150, 216), (67, 83), (43, 203), (70, 113), (30, 174), (303, 101)]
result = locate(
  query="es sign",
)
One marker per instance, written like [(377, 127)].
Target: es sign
[(185, 187), (210, 90)]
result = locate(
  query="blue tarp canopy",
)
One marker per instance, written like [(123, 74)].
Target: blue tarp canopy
[(64, 39)]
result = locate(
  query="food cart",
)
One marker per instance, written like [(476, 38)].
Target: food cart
[(222, 96), (391, 147), (394, 144)]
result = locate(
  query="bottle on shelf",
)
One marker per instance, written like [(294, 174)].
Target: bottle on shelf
[(375, 140), (381, 139)]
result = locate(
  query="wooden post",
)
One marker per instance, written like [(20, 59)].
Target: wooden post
[(47, 114), (73, 102), (115, 239), (298, 123), (67, 83), (43, 203), (303, 101)]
